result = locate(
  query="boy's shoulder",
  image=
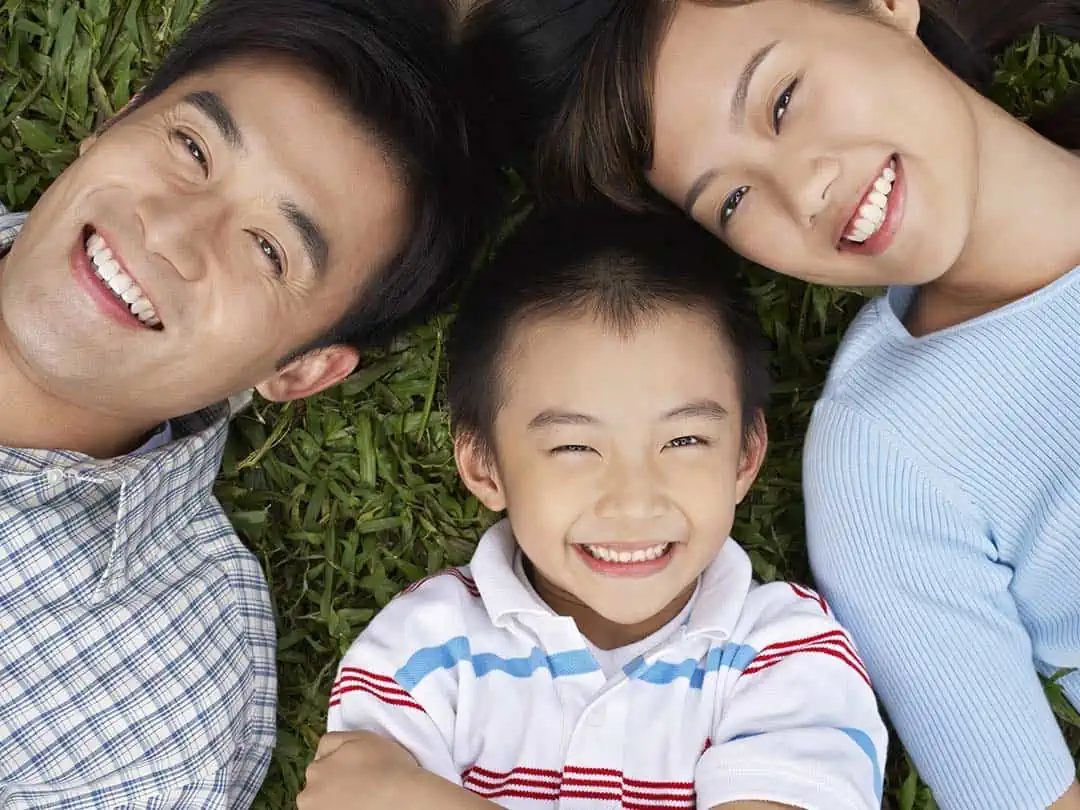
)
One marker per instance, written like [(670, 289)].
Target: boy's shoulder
[(782, 612), (451, 595)]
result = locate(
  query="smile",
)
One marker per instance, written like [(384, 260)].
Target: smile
[(626, 560), (874, 207), (613, 555), (108, 269)]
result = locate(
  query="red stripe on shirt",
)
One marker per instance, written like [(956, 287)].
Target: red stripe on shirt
[(349, 689), (468, 582), (834, 649), (806, 593), (597, 784)]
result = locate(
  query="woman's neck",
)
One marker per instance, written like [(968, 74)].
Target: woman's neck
[(1026, 227)]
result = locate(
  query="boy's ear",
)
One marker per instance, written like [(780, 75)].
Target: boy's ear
[(755, 443), (310, 373), (477, 468)]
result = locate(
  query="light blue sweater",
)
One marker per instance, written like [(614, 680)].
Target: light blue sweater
[(942, 482)]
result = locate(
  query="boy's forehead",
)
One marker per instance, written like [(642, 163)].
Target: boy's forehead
[(672, 355)]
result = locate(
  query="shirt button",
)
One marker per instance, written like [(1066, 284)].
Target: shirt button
[(55, 477)]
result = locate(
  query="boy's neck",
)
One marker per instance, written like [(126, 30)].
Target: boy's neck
[(604, 633)]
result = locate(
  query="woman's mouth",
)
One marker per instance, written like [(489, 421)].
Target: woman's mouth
[(873, 224)]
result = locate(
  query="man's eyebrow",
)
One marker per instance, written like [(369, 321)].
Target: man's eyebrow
[(315, 244), (551, 417), (738, 114), (210, 104), (742, 88), (699, 409)]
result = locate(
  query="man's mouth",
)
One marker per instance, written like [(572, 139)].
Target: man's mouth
[(117, 280), (873, 209)]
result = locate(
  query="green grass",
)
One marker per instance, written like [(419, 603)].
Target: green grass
[(349, 496)]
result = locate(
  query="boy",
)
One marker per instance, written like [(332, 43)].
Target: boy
[(606, 647)]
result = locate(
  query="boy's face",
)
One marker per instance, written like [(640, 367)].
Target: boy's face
[(619, 459)]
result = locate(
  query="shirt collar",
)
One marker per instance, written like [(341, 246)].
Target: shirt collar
[(719, 601)]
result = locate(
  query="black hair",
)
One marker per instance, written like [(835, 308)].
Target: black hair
[(618, 266), (392, 65), (567, 84)]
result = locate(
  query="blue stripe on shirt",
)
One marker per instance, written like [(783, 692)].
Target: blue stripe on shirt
[(661, 673), (446, 656)]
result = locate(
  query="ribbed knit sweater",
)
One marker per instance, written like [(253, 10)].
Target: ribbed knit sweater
[(942, 483)]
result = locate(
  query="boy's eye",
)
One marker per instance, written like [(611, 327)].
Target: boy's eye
[(571, 448), (688, 441), (272, 254), (781, 105), (731, 204), (193, 148)]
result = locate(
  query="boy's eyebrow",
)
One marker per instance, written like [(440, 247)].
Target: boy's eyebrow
[(550, 417), (700, 409)]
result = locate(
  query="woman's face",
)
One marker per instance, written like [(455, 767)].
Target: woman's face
[(828, 146)]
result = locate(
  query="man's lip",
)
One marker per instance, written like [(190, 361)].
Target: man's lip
[(621, 546), (853, 211), (107, 301)]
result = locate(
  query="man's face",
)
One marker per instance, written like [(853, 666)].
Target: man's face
[(199, 241)]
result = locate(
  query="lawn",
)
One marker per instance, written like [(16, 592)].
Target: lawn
[(348, 497)]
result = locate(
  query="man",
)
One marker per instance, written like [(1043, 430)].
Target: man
[(288, 189)]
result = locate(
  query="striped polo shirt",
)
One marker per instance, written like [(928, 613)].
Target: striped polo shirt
[(757, 694)]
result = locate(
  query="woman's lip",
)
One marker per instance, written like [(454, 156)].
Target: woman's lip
[(894, 214), (853, 213)]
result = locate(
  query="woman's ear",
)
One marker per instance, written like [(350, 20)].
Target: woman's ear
[(901, 14)]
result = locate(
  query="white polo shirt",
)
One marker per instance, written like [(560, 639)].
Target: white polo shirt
[(754, 693)]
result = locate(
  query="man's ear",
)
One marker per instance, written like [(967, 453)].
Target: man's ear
[(477, 468), (755, 443), (310, 373)]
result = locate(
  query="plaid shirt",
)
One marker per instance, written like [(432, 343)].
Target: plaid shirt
[(136, 634)]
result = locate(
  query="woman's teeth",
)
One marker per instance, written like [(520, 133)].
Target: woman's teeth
[(123, 286), (872, 212), (613, 555)]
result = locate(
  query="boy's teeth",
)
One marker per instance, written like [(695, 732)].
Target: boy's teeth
[(872, 212), (122, 285), (640, 555)]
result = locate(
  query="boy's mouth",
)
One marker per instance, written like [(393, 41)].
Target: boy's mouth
[(626, 559)]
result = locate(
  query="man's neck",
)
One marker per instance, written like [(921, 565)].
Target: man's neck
[(32, 418)]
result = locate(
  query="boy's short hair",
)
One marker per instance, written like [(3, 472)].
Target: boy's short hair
[(616, 265), (391, 64)]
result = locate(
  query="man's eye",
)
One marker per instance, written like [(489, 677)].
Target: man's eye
[(272, 254), (781, 106), (193, 148), (731, 204)]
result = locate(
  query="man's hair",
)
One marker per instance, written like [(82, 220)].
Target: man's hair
[(620, 267), (392, 65)]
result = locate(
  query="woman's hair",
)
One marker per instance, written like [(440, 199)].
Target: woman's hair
[(567, 83), (617, 266)]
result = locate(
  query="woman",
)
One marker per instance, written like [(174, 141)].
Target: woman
[(846, 142)]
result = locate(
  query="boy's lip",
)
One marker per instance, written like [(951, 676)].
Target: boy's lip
[(631, 570)]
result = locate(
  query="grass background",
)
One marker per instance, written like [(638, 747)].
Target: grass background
[(351, 495)]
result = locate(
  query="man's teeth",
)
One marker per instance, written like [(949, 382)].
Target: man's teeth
[(122, 285), (872, 212), (608, 554)]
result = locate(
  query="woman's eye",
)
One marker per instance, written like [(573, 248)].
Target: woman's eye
[(571, 448), (270, 251), (688, 441), (781, 106), (193, 148), (731, 204)]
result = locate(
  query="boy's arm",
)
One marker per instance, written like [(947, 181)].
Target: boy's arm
[(399, 679), (914, 574), (799, 726), (366, 771)]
